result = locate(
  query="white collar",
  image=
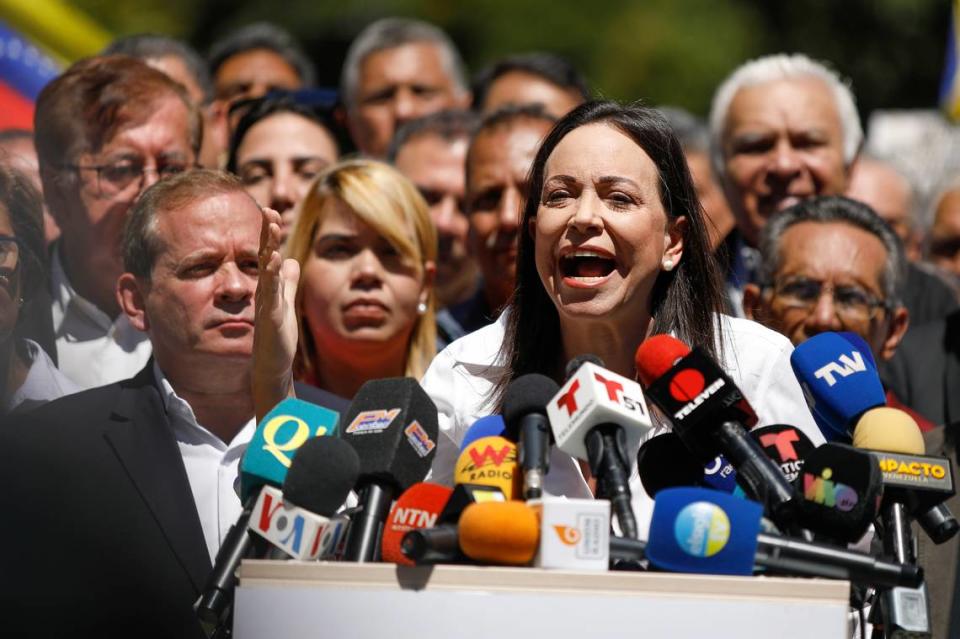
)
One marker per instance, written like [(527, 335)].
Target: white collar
[(66, 300), (186, 428)]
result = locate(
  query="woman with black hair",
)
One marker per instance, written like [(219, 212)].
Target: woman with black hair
[(615, 250), (279, 146)]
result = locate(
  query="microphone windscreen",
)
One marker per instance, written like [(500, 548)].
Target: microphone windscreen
[(656, 355), (418, 507), (839, 381), (861, 345), (574, 364), (487, 426), (665, 462), (321, 476), (490, 461), (890, 430), (841, 488), (527, 394), (786, 445), (706, 531), (392, 424), (505, 533), (275, 442)]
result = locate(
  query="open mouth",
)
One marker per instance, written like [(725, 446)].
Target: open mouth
[(586, 266)]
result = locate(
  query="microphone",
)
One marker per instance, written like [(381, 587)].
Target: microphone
[(890, 430), (597, 416), (486, 471), (334, 536), (505, 534), (841, 488), (913, 483), (697, 530), (665, 462), (554, 533), (265, 462), (490, 461), (392, 424), (487, 426), (839, 380), (711, 415), (920, 483), (524, 413), (321, 476), (418, 507), (787, 446)]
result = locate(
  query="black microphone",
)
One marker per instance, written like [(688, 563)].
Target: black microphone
[(841, 488), (321, 476), (392, 424), (295, 521), (665, 462), (265, 462), (711, 416), (525, 416)]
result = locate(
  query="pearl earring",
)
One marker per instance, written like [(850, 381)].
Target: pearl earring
[(422, 308), (668, 265)]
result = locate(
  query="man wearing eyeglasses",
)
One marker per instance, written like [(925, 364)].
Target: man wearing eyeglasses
[(831, 264), (106, 129)]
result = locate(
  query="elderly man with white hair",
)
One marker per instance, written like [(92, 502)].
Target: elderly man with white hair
[(783, 128)]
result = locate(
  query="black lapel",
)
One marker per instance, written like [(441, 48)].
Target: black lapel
[(951, 373), (141, 437)]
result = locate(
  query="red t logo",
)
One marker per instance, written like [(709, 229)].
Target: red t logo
[(569, 399), (612, 387), (783, 442)]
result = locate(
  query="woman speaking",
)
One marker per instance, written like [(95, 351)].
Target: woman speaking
[(615, 250)]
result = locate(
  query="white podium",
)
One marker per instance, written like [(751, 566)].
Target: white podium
[(293, 600)]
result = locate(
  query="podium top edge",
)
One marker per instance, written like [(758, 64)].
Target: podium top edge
[(381, 576)]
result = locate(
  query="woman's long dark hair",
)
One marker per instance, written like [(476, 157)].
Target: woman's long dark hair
[(685, 300)]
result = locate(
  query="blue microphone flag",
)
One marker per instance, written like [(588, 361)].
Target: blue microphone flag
[(698, 530), (487, 426), (840, 381)]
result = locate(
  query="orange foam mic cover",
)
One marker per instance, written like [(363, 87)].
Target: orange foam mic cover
[(503, 533)]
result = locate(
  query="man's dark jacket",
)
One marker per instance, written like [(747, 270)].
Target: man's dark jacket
[(100, 533)]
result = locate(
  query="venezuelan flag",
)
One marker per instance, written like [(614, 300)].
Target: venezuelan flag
[(24, 70), (950, 84)]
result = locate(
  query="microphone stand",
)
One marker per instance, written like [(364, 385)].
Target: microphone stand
[(903, 612)]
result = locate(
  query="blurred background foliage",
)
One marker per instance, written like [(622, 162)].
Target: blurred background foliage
[(661, 51)]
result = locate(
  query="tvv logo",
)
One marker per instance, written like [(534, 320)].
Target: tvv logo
[(847, 365)]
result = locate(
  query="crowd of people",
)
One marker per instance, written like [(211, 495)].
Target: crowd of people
[(185, 241)]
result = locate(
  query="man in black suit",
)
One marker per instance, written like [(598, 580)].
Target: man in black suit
[(118, 498)]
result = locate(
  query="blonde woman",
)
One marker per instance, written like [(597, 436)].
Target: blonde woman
[(364, 303)]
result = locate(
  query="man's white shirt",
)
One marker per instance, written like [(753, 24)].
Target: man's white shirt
[(92, 349), (212, 465)]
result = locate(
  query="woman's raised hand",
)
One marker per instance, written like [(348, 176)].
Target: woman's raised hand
[(275, 334)]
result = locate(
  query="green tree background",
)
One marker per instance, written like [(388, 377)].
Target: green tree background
[(661, 51)]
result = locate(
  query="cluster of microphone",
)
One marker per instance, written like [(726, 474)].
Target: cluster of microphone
[(729, 497)]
